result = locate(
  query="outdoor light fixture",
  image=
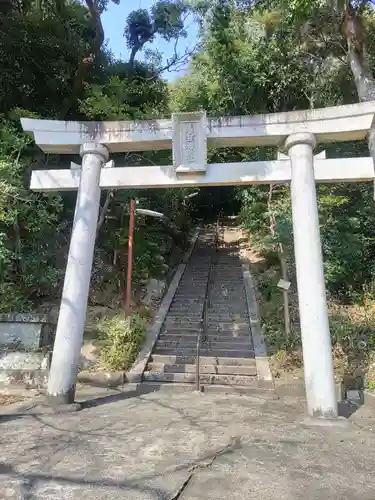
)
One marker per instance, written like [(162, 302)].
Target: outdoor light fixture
[(132, 213)]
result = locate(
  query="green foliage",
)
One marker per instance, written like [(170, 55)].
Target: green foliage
[(43, 44), (353, 327), (255, 57), (125, 98), (122, 339), (165, 18), (254, 60), (28, 267), (272, 56), (154, 240), (40, 53)]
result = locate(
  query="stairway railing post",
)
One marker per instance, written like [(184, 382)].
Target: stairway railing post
[(203, 321)]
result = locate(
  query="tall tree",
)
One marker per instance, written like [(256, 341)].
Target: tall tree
[(164, 19), (95, 8)]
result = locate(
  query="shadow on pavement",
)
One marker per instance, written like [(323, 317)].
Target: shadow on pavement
[(39, 407), (347, 409), (121, 395)]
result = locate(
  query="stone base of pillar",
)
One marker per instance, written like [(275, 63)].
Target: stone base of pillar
[(340, 422), (66, 408), (67, 398)]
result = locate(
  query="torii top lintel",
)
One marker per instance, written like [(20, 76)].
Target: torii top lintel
[(338, 123)]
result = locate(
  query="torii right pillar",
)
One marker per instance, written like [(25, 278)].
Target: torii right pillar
[(316, 339)]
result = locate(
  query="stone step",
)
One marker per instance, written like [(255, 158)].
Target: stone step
[(185, 343), (181, 330), (196, 271), (210, 323), (220, 280), (227, 271), (180, 314), (188, 288), (183, 300), (217, 352), (229, 307), (196, 294), (177, 317), (266, 394), (179, 304), (222, 285), (216, 310), (249, 370), (227, 299), (192, 336), (213, 319), (223, 294), (193, 292), (204, 360), (194, 314), (227, 317), (218, 275), (183, 320), (226, 325), (189, 282), (189, 378)]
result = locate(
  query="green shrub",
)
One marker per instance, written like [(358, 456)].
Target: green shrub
[(12, 300), (122, 339)]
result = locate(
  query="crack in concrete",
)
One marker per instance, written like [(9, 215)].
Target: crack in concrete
[(233, 445)]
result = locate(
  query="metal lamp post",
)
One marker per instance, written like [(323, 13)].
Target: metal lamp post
[(132, 212)]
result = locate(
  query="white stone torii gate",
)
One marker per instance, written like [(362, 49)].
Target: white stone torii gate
[(188, 135)]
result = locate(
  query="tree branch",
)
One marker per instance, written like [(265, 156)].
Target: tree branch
[(87, 62), (176, 62), (104, 210)]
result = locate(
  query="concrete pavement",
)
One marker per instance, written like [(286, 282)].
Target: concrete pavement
[(168, 445)]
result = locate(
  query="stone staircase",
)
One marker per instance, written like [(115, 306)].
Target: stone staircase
[(226, 353)]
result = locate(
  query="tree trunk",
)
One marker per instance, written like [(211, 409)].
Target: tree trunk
[(104, 211), (360, 67), (86, 62), (284, 275), (283, 265), (133, 53)]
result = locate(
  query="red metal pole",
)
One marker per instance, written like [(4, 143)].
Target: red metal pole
[(130, 258)]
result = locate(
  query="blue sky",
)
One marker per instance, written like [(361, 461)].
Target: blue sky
[(114, 21)]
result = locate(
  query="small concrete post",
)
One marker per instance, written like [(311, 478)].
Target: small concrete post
[(70, 326), (316, 339)]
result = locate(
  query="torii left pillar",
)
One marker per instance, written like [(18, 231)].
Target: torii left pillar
[(71, 322)]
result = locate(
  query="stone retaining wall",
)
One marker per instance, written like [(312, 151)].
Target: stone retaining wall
[(26, 342)]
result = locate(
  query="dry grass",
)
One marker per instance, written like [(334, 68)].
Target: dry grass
[(8, 399)]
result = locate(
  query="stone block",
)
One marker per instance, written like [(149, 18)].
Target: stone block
[(155, 291), (26, 368), (30, 331)]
